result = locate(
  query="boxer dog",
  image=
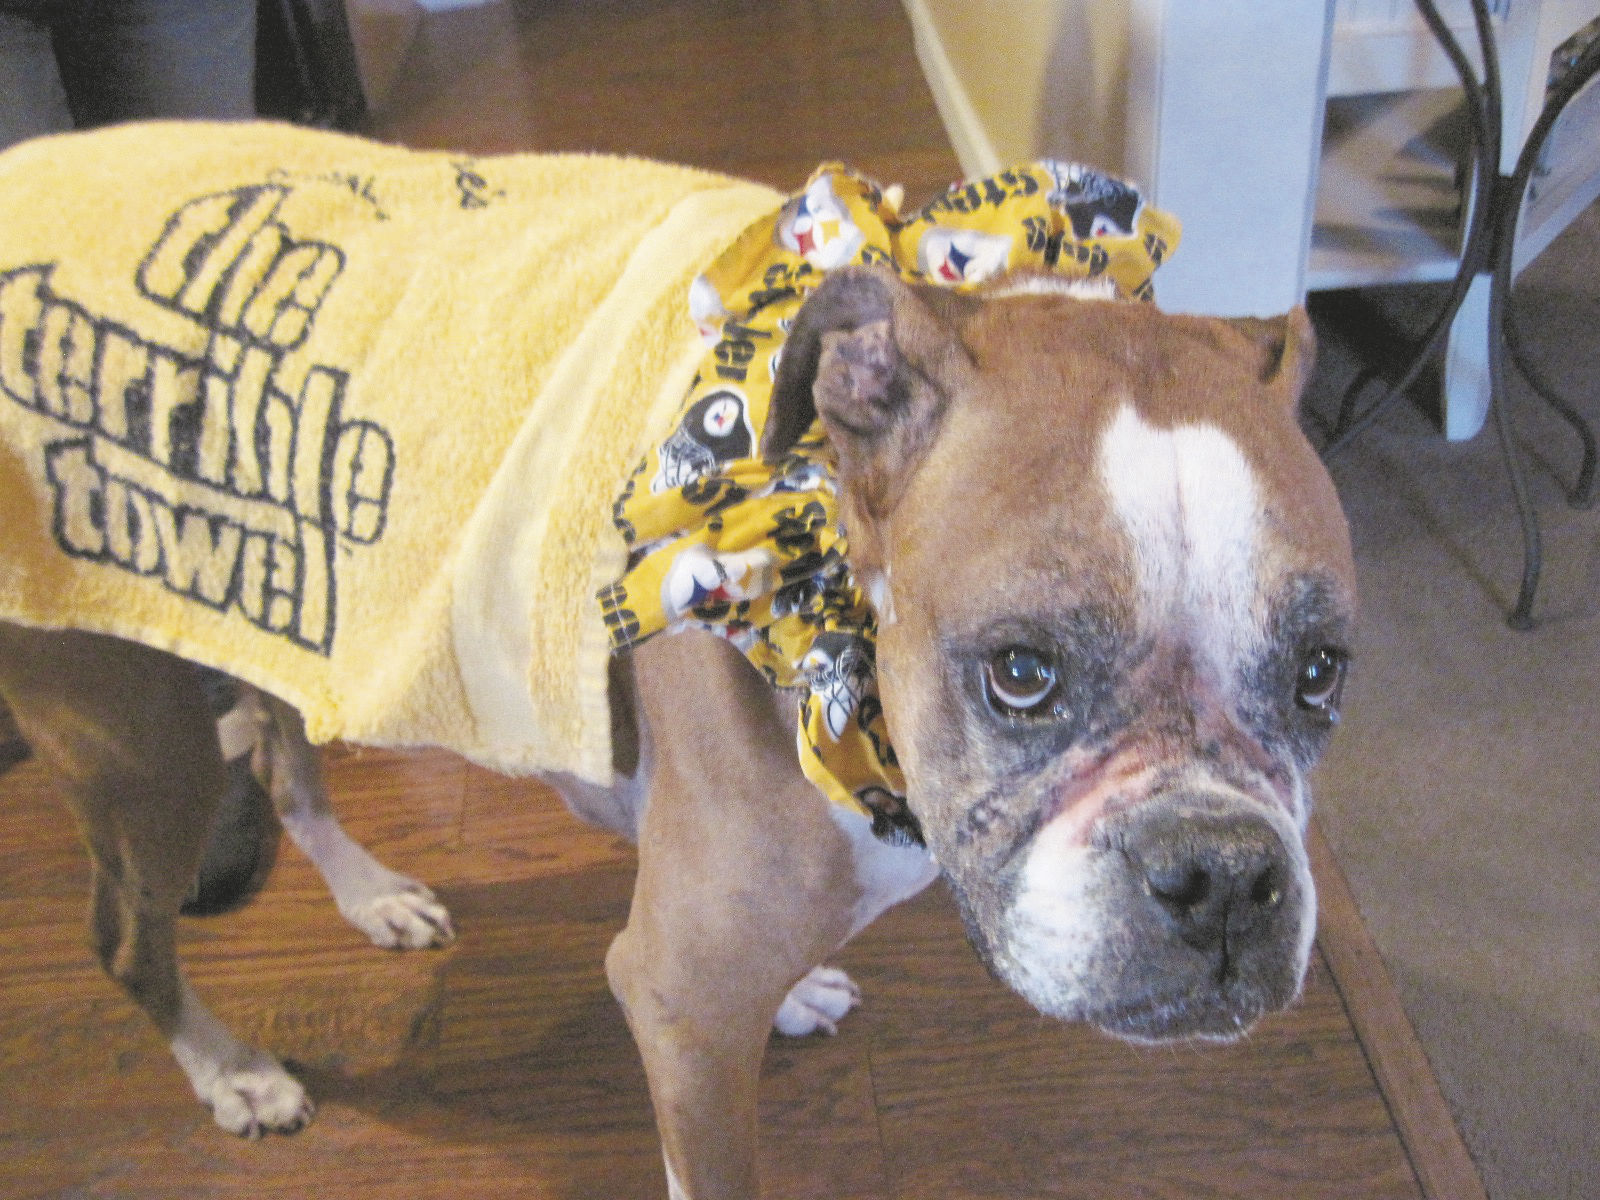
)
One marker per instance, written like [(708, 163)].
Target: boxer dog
[(1115, 594)]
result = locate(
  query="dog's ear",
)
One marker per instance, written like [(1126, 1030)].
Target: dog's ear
[(1288, 349), (870, 355)]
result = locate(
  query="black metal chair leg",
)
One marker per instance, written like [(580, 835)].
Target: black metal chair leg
[(1503, 333), (1513, 191), (1582, 492), (1521, 614), (1344, 424)]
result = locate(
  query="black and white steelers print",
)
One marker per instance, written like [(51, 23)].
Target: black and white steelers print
[(839, 670), (716, 429)]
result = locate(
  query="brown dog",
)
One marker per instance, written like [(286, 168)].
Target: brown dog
[(1114, 591)]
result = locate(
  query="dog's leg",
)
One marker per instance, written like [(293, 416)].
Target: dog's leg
[(746, 883), (394, 910), (886, 874), (136, 750)]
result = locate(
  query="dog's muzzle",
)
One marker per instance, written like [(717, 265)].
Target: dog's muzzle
[(1214, 881), (1190, 914), (1214, 910)]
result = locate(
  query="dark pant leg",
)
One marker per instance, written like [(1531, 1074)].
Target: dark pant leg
[(125, 60), (32, 100)]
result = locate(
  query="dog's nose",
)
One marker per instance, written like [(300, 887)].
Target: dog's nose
[(1216, 879)]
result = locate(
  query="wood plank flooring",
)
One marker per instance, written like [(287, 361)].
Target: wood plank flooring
[(764, 91), (501, 1067)]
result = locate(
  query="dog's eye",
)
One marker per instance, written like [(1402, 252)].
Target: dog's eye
[(1321, 680), (1020, 681)]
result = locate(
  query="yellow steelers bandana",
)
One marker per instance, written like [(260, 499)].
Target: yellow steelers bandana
[(722, 540)]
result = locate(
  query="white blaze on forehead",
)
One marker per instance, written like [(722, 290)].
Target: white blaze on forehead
[(1189, 504)]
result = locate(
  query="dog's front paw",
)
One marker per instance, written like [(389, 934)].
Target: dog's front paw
[(408, 918), (817, 1003), (255, 1098)]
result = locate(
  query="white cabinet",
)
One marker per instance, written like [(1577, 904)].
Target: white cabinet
[(1305, 144)]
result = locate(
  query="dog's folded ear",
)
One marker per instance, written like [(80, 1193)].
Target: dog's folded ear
[(872, 357), (1288, 349)]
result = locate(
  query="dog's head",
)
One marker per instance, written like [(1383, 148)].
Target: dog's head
[(1115, 592)]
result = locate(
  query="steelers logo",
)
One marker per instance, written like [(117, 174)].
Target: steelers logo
[(715, 430), (818, 225), (722, 416)]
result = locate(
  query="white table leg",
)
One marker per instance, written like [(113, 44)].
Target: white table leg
[(1466, 365)]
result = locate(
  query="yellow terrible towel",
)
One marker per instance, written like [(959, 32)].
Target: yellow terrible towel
[(341, 419)]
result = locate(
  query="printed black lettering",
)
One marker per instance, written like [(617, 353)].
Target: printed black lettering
[(227, 262), (130, 528), (21, 307), (314, 419), (167, 270), (763, 297), (230, 478), (247, 396), (1036, 232), (275, 444), (214, 437), (244, 280), (314, 619), (363, 466), (200, 553), (174, 391), (80, 486), (65, 378), (280, 313), (122, 386), (202, 244), (268, 567), (282, 594)]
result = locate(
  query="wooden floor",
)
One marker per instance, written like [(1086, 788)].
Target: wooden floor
[(500, 1066), (764, 90)]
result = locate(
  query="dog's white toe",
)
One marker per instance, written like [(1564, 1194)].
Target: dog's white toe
[(392, 909), (257, 1098), (247, 1091), (817, 1003), (409, 919)]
